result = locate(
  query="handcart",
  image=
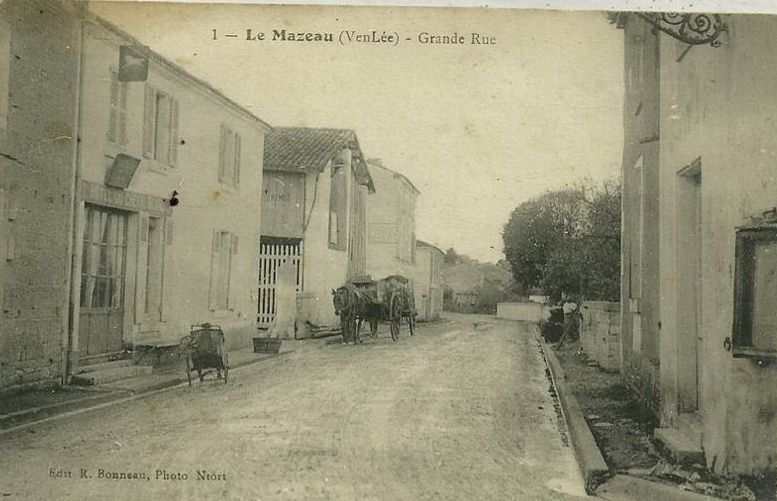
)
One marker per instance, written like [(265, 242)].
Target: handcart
[(205, 351)]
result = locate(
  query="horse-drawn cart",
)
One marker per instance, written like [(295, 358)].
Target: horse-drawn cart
[(389, 299)]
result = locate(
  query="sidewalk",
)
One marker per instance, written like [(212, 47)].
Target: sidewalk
[(605, 479), (30, 407)]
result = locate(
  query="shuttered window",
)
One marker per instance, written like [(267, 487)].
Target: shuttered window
[(160, 127), (229, 157), (117, 122), (225, 245)]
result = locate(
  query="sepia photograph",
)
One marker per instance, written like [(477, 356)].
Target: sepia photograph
[(387, 252)]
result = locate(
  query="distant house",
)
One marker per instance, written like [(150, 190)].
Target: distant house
[(466, 281), (427, 281), (391, 248), (314, 213)]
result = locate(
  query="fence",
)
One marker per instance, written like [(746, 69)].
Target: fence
[(271, 257)]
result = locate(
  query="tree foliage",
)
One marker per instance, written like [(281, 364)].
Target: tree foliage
[(568, 241)]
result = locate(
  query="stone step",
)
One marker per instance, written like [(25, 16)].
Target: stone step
[(105, 365), (110, 374), (679, 446), (691, 425)]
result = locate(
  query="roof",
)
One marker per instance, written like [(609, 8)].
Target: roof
[(169, 65), (298, 149), (421, 243), (377, 162)]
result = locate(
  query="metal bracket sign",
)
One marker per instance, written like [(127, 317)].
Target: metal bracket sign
[(689, 27)]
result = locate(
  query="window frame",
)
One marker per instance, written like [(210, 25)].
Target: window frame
[(151, 129), (744, 282)]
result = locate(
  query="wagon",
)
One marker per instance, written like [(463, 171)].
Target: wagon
[(205, 351), (389, 299)]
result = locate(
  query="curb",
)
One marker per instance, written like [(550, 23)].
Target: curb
[(52, 412), (589, 458)]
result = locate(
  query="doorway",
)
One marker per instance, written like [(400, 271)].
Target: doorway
[(689, 304), (103, 265)]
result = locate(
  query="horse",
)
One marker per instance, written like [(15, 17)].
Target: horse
[(353, 307)]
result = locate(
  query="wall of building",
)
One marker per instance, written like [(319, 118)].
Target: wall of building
[(37, 126), (325, 268), (718, 104), (206, 205), (640, 327), (283, 204), (391, 225), (427, 283)]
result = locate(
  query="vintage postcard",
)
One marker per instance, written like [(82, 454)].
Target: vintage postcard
[(321, 252)]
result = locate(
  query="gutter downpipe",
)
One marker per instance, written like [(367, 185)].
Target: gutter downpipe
[(69, 333)]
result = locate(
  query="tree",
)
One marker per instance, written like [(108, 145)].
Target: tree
[(568, 241)]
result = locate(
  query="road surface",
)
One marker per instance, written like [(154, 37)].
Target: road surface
[(462, 410)]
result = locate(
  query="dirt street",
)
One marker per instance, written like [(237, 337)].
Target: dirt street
[(460, 411)]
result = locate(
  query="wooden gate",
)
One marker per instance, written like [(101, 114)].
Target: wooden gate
[(272, 254)]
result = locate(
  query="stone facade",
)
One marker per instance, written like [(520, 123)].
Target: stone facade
[(600, 333), (36, 185)]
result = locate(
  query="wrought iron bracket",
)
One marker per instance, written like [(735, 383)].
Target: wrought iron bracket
[(692, 28)]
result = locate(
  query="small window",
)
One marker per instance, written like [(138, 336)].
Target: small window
[(160, 130), (755, 311), (229, 157)]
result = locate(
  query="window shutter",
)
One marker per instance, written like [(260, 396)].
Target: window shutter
[(236, 173), (214, 266), (148, 123), (174, 132), (144, 228), (234, 244), (113, 125), (122, 112), (222, 151), (140, 284)]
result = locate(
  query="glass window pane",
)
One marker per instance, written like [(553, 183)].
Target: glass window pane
[(765, 297)]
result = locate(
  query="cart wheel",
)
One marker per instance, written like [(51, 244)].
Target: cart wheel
[(226, 368)]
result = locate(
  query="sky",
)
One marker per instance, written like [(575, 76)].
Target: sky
[(478, 129)]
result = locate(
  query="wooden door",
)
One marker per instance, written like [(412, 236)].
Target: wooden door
[(102, 281)]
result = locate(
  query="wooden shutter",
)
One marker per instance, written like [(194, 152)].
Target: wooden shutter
[(122, 112), (174, 132), (222, 151), (236, 171), (214, 267), (142, 262), (113, 119), (148, 123)]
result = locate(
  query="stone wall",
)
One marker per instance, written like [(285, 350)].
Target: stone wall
[(524, 311), (600, 333), (36, 141)]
